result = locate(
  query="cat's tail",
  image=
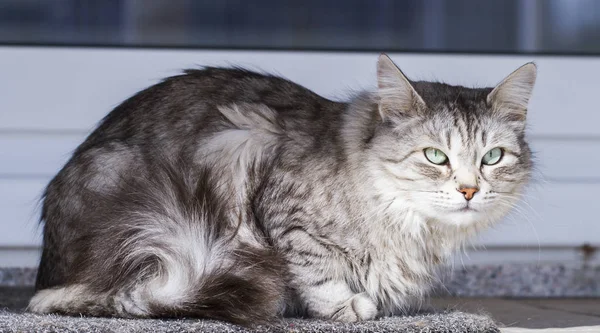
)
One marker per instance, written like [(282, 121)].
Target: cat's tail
[(173, 256), (250, 291)]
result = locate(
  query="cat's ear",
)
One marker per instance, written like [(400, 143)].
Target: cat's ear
[(396, 94), (511, 96)]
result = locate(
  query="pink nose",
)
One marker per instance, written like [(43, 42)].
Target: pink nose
[(468, 191)]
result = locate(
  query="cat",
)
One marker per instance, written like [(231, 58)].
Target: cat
[(228, 194)]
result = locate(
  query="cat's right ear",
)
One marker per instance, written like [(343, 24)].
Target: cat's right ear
[(511, 96), (396, 94)]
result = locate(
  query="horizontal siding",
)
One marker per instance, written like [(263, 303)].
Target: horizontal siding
[(551, 214), (566, 161), (52, 97), (19, 208), (35, 155), (69, 88)]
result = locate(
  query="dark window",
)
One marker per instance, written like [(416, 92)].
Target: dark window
[(507, 26)]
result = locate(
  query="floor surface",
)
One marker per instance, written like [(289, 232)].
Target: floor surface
[(567, 313), (466, 315)]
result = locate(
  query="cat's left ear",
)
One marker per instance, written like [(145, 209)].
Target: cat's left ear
[(396, 94), (511, 96)]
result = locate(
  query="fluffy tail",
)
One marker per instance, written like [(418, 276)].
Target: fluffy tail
[(251, 293), (163, 248), (250, 296)]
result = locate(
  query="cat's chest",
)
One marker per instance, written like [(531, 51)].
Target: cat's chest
[(395, 275), (394, 272)]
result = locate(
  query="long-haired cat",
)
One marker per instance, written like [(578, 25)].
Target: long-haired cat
[(229, 194)]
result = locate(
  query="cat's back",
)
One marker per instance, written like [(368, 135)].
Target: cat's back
[(223, 86), (187, 103)]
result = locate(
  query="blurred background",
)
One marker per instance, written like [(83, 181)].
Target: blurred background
[(64, 64), (497, 26)]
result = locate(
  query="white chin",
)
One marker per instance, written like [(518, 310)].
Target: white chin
[(460, 218)]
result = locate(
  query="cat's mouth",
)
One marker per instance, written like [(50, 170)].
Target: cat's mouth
[(466, 208)]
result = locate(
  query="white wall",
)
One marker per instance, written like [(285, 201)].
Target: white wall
[(50, 98)]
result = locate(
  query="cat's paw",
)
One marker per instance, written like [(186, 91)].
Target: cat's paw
[(130, 304), (44, 301), (359, 307)]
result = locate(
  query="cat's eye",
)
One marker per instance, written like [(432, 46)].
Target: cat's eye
[(435, 156), (493, 156)]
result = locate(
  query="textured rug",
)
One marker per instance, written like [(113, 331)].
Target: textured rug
[(13, 319)]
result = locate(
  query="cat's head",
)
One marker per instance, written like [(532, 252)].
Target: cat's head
[(454, 154)]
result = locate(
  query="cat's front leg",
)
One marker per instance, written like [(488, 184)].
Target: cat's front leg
[(334, 300)]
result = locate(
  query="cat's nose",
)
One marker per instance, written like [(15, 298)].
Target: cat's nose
[(468, 191)]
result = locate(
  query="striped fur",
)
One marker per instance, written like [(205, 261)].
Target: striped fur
[(234, 195)]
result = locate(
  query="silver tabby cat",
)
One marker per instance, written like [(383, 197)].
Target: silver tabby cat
[(234, 195)]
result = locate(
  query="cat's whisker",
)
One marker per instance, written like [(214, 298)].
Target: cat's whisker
[(524, 216)]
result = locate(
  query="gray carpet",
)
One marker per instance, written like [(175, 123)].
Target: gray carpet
[(12, 319)]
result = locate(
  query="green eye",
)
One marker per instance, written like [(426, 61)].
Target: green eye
[(492, 157), (435, 156)]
